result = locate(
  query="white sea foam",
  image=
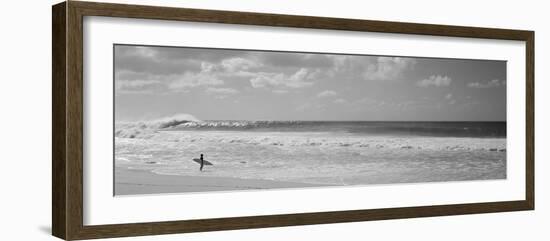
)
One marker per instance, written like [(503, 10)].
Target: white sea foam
[(314, 152), (313, 139), (314, 157)]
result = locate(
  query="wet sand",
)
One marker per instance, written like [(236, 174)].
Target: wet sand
[(132, 182)]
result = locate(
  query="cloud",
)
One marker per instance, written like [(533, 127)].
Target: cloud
[(180, 69), (370, 67), (326, 93), (239, 64), (388, 68), (128, 82), (365, 104), (296, 80), (449, 99), (293, 60), (120, 84), (225, 91), (177, 69), (436, 81), (280, 91), (170, 60), (190, 80), (340, 101), (148, 60), (222, 91), (488, 84), (310, 107), (165, 69), (137, 86)]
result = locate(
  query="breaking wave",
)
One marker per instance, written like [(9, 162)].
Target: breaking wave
[(145, 129), (182, 122)]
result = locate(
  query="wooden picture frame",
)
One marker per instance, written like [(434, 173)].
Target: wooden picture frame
[(67, 122)]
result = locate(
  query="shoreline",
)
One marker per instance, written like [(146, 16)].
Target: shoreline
[(138, 182)]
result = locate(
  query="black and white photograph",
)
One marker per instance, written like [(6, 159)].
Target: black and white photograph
[(191, 119)]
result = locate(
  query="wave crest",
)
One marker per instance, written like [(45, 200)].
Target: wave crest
[(239, 124), (145, 129)]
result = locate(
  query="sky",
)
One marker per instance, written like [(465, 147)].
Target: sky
[(221, 84)]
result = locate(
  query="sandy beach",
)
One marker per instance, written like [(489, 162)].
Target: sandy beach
[(134, 182)]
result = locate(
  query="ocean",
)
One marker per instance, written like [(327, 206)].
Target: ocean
[(316, 152)]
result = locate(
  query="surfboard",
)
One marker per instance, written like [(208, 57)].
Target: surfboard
[(206, 163)]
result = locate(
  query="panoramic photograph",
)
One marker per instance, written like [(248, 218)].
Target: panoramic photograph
[(189, 119)]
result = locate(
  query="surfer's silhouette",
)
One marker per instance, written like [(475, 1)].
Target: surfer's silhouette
[(202, 162)]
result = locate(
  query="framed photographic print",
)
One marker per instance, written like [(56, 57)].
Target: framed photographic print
[(172, 120)]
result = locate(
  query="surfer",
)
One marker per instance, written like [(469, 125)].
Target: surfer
[(202, 162)]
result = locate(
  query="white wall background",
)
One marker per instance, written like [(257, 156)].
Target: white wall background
[(25, 121)]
